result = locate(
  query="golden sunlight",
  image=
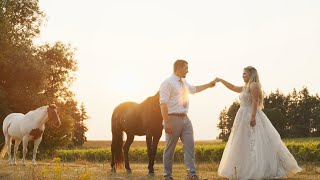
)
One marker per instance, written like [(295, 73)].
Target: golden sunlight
[(125, 81)]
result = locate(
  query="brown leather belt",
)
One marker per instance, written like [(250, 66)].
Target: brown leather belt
[(178, 114)]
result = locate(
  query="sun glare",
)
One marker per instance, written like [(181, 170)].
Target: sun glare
[(126, 83)]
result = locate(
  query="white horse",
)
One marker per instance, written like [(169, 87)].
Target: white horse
[(27, 127)]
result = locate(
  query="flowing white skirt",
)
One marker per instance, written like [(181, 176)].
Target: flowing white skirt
[(255, 153)]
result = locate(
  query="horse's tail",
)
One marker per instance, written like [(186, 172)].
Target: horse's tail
[(117, 139), (5, 148), (5, 127), (3, 151)]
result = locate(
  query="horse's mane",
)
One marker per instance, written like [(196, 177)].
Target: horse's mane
[(150, 98), (36, 110), (146, 100)]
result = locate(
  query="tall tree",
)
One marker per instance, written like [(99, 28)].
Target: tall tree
[(276, 107), (226, 120), (19, 75), (276, 100), (278, 120), (80, 127), (32, 76), (299, 113), (315, 131), (59, 64), (223, 124)]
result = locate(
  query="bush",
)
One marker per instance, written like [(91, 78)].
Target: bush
[(306, 150)]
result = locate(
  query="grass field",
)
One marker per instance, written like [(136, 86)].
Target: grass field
[(105, 144), (85, 170), (82, 169)]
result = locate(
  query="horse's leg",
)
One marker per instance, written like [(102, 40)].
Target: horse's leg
[(149, 149), (8, 144), (16, 146), (126, 148), (152, 144), (35, 148), (113, 168), (154, 148), (25, 146)]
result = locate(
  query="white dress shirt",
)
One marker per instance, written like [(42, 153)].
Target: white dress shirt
[(172, 95)]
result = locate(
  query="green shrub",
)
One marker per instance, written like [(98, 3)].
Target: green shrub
[(304, 150)]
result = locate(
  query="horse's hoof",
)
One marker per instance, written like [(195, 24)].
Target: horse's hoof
[(129, 171), (34, 163), (113, 170), (151, 174)]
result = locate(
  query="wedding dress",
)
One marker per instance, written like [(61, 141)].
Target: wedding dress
[(255, 152)]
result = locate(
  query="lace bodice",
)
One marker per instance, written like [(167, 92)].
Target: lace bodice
[(245, 98)]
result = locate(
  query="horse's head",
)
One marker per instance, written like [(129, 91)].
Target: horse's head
[(53, 115)]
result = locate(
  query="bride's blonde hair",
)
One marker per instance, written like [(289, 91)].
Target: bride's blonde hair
[(254, 77)]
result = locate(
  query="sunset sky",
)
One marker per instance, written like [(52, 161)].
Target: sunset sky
[(125, 49)]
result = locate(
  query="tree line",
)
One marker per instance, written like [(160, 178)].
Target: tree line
[(294, 115), (34, 75)]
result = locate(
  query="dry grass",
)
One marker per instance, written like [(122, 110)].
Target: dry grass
[(85, 170)]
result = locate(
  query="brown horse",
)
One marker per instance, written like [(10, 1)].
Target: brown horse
[(142, 119)]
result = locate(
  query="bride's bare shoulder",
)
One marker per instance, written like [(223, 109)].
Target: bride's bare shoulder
[(254, 85)]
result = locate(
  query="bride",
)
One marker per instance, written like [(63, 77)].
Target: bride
[(254, 149)]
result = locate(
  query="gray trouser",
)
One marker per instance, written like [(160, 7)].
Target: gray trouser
[(181, 128)]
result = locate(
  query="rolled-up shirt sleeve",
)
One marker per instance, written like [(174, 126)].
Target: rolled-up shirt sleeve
[(192, 89), (164, 92)]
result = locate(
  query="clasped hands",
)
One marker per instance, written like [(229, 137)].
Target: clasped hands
[(213, 83)]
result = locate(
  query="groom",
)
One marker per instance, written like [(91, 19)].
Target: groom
[(174, 106)]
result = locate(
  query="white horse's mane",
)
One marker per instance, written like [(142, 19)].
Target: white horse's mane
[(36, 110)]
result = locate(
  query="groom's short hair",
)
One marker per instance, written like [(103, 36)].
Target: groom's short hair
[(179, 63)]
